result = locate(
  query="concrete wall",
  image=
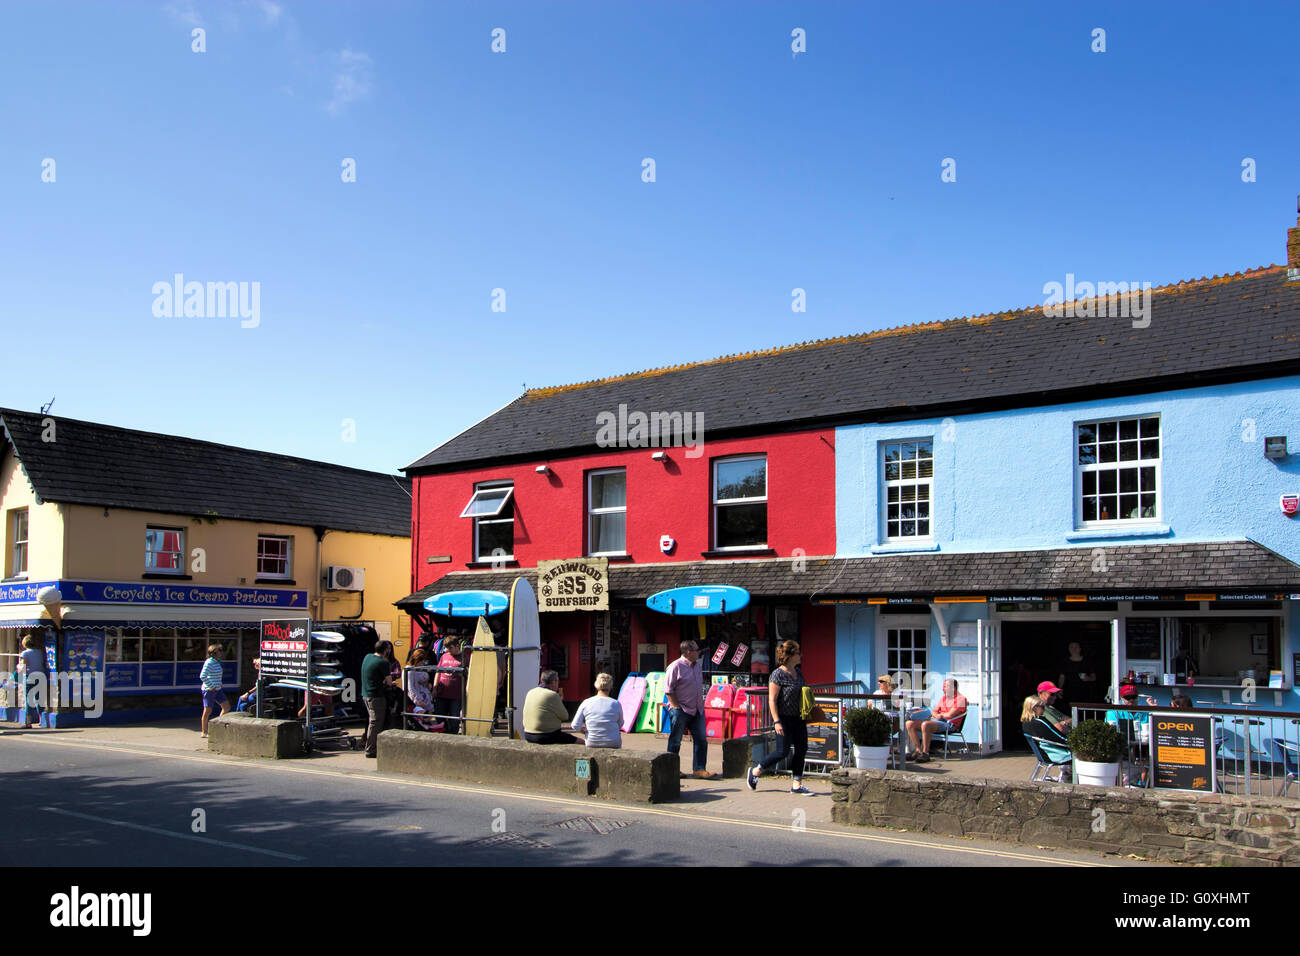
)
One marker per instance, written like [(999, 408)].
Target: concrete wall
[(1177, 827)]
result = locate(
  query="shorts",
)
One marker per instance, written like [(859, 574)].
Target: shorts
[(213, 698)]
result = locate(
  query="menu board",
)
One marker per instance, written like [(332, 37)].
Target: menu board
[(824, 738), (1182, 751), (284, 648), (1142, 638)]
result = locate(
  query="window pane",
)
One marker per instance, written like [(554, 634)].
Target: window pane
[(1087, 434), (609, 532), (923, 529), (1128, 430), (742, 526), (1150, 428), (1148, 479), (1089, 482), (495, 534), (1087, 454), (1106, 431), (1106, 453), (742, 479), (159, 649), (1128, 451), (487, 501), (1107, 482), (609, 490), (1128, 479), (1128, 507), (1089, 509), (1150, 448), (909, 469)]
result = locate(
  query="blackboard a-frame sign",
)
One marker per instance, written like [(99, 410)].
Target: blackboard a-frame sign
[(1182, 748)]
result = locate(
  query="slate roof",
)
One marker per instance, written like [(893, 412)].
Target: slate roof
[(95, 464), (1225, 328), (1216, 566)]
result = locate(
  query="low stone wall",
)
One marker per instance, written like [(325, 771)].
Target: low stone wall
[(239, 735), (629, 776), (1161, 825)]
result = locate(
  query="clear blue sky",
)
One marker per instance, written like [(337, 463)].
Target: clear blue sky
[(522, 170)]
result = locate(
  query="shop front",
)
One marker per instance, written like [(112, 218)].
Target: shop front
[(1230, 642), (119, 652), (581, 641)]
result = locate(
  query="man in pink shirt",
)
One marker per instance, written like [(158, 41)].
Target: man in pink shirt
[(942, 719), (684, 685)]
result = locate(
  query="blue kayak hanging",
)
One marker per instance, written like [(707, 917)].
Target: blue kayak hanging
[(699, 600), (467, 603)]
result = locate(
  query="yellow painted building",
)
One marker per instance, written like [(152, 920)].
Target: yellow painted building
[(126, 553)]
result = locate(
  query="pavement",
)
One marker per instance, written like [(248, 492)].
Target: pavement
[(772, 802)]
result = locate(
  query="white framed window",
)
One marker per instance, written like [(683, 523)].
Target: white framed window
[(492, 509), (909, 489), (274, 556), (164, 550), (18, 543), (907, 655), (740, 502), (1118, 464), (607, 511)]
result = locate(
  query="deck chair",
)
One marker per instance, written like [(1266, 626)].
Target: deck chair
[(1049, 758)]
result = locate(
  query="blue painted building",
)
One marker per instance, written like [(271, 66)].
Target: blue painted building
[(1091, 496)]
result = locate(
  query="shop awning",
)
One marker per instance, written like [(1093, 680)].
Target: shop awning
[(1192, 571)]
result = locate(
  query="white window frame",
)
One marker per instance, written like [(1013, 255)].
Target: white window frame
[(901, 482), (492, 517), (180, 553), (729, 502), (18, 546), (918, 693), (1099, 467), (593, 512), (287, 574)]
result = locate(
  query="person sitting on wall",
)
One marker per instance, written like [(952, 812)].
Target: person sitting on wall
[(1047, 692), (602, 716), (1036, 725), (941, 719), (544, 712), (248, 700)]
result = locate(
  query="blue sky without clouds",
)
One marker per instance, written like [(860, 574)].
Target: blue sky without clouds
[(522, 170)]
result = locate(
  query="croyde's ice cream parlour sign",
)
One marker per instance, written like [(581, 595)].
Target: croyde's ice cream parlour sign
[(158, 592)]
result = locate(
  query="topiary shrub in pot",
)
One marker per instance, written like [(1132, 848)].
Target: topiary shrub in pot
[(869, 731), (1096, 747)]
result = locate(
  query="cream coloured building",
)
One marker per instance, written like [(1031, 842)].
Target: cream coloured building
[(157, 546)]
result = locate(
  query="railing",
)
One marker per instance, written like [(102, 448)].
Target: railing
[(409, 716), (1254, 752), (761, 714)]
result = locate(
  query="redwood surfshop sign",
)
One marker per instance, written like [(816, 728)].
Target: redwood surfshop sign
[(573, 584)]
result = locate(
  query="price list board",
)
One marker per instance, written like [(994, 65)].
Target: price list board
[(284, 648), (1183, 751)]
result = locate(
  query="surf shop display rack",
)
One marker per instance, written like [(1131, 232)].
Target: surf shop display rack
[(294, 657), (521, 653)]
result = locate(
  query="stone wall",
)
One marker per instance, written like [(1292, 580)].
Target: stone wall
[(240, 735), (1160, 825)]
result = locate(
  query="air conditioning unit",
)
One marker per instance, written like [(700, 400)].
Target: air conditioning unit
[(346, 579)]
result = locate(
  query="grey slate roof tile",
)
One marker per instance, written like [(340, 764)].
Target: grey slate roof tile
[(1230, 326), (94, 464)]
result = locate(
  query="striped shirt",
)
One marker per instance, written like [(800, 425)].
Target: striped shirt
[(211, 674)]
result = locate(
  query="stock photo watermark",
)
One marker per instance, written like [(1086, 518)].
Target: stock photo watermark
[(637, 429), (212, 300), (1084, 300)]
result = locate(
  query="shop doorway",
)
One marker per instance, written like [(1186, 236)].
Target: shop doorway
[(1035, 651)]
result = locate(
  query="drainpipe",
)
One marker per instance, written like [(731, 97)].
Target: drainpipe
[(937, 611), (319, 602)]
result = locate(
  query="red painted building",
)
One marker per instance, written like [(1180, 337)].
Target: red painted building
[(749, 510)]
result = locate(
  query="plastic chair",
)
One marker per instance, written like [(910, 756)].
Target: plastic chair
[(1288, 755), (1230, 746), (1046, 763)]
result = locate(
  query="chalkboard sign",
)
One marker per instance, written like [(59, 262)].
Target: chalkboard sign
[(1142, 635), (1183, 751), (824, 738)]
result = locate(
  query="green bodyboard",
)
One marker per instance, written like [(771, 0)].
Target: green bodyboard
[(647, 722)]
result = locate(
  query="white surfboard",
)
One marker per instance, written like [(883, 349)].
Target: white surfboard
[(525, 640)]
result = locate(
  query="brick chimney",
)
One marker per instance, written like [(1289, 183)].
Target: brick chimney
[(1293, 248)]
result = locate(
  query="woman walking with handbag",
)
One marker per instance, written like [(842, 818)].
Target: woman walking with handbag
[(785, 694)]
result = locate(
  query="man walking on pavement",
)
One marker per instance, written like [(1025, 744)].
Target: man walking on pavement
[(685, 688), (374, 680)]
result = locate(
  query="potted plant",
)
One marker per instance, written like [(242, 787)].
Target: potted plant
[(1096, 746), (869, 730)]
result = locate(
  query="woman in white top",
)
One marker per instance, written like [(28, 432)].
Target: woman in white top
[(601, 716)]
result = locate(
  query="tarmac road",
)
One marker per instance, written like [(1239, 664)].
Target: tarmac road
[(90, 805)]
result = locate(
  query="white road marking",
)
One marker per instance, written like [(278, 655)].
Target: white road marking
[(278, 766), (176, 836)]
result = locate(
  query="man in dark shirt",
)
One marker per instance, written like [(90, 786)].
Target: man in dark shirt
[(374, 679)]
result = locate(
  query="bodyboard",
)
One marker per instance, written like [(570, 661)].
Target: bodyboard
[(648, 721), (629, 699)]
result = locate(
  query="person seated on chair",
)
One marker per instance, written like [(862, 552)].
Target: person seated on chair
[(1036, 725), (1128, 695), (1047, 693), (322, 705), (602, 716), (885, 685), (544, 712), (940, 720), (248, 700)]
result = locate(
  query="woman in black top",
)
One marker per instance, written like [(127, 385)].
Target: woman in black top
[(785, 698)]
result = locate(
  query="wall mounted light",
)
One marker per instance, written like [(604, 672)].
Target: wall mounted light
[(1275, 447), (542, 470), (659, 456)]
